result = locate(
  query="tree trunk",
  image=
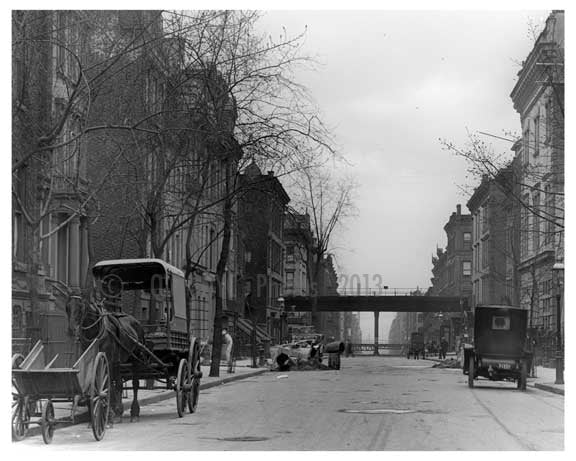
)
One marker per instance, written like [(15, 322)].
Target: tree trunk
[(220, 271)]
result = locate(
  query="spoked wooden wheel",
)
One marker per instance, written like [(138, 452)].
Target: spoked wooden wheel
[(181, 392), (100, 396), (20, 418), (48, 422), (194, 375)]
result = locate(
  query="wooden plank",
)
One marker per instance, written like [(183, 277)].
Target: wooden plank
[(35, 359), (84, 366), (51, 362)]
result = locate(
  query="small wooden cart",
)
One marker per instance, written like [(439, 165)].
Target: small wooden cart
[(37, 386)]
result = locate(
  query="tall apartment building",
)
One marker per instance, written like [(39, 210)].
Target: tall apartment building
[(538, 97), (452, 276), (261, 211), (298, 241), (495, 239), (49, 177)]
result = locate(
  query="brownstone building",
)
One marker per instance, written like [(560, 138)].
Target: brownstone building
[(261, 211), (452, 276), (495, 240), (298, 241)]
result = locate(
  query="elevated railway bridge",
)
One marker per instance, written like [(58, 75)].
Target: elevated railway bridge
[(376, 301)]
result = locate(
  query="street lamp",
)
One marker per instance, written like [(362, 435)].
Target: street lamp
[(283, 320), (558, 270)]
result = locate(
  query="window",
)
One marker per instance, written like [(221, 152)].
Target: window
[(212, 249), (500, 322), (466, 268), (526, 147), (290, 253), (537, 135), (484, 218), (549, 225), (467, 239), (485, 255), (58, 248), (536, 220), (548, 122), (17, 234), (289, 280), (524, 228)]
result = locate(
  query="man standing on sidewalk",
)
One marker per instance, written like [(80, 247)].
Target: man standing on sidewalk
[(228, 343)]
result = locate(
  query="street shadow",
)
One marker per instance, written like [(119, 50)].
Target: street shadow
[(502, 387)]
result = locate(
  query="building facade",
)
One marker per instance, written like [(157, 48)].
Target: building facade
[(538, 97), (49, 178), (494, 241), (261, 211), (452, 276), (298, 257)]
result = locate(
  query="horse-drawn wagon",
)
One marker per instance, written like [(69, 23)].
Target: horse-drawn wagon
[(134, 326), (37, 385), (153, 342)]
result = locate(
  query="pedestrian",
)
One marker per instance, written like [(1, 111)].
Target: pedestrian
[(443, 349), (227, 344), (349, 348)]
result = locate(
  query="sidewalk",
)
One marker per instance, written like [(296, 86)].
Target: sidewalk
[(543, 380), (243, 370)]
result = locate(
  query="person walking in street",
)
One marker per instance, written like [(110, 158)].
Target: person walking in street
[(443, 349), (227, 344)]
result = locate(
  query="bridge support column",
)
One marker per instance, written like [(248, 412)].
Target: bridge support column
[(376, 321)]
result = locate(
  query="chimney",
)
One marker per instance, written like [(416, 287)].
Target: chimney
[(458, 209)]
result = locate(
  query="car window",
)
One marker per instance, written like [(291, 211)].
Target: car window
[(500, 322)]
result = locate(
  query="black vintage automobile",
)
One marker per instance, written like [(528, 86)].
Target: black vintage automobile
[(499, 352)]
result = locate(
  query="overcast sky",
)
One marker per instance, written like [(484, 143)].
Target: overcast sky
[(391, 83)]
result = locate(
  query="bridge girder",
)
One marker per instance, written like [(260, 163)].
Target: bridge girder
[(377, 303)]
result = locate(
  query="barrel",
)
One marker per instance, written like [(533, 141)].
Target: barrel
[(336, 346)]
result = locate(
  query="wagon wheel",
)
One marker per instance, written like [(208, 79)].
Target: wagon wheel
[(20, 418), (181, 386), (100, 396), (471, 371), (48, 422), (17, 360), (194, 375)]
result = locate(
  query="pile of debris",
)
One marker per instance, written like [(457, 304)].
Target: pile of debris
[(286, 359), (448, 363)]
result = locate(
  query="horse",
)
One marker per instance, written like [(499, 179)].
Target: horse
[(118, 336)]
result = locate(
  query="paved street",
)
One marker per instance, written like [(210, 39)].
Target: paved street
[(370, 404)]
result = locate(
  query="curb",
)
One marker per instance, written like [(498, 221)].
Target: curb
[(83, 417), (548, 388)]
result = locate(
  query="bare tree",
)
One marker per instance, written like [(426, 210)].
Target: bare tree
[(328, 200)]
